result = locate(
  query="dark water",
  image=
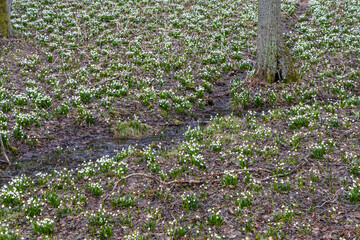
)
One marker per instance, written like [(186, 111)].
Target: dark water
[(71, 158)]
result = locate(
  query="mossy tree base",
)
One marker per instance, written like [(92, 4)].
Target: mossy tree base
[(6, 29), (283, 71), (3, 19)]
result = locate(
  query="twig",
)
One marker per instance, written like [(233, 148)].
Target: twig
[(107, 80), (284, 175), (129, 176), (153, 178), (3, 150), (11, 39)]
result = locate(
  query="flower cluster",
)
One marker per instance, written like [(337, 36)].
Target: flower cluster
[(95, 188), (44, 226), (214, 218), (189, 201), (105, 163)]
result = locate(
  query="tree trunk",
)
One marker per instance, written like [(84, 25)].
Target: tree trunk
[(273, 61), (6, 29)]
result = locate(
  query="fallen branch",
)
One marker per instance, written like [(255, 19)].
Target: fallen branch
[(107, 80), (179, 181), (203, 180), (283, 175), (4, 151), (153, 178)]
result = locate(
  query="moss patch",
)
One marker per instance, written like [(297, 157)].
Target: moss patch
[(14, 150), (130, 129)]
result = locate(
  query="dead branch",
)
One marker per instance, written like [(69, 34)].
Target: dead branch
[(4, 151), (107, 80), (204, 179), (284, 175), (181, 181)]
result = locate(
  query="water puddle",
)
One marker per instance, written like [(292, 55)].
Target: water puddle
[(71, 158)]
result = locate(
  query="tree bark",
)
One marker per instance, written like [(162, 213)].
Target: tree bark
[(6, 29), (273, 61)]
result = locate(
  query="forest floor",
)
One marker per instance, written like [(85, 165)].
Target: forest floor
[(280, 161)]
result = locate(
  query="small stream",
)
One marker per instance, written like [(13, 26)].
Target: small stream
[(71, 158)]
